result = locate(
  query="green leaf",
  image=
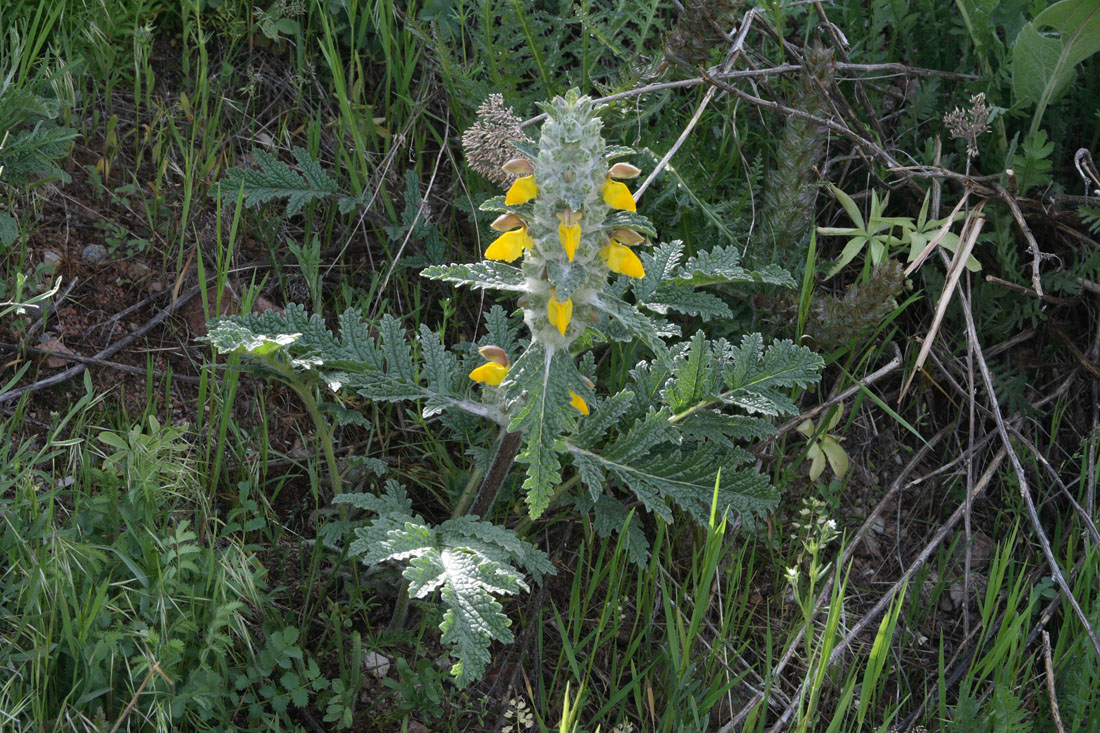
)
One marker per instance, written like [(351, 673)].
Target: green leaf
[(688, 479), (9, 229), (1031, 161), (611, 517), (379, 368), (486, 274), (641, 326), (1043, 66), (723, 265), (276, 180), (693, 375), (467, 561), (686, 300), (757, 380), (540, 380)]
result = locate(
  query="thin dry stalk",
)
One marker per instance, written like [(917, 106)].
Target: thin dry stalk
[(1048, 664)]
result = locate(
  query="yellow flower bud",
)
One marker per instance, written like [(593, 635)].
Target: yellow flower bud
[(578, 402), (624, 170), (494, 354), (622, 259), (519, 167), (522, 191), (489, 373), (618, 196), (509, 246), (559, 312), (627, 236), (506, 222)]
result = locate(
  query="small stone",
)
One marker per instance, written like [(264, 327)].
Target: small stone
[(51, 260), (376, 664), (94, 253)]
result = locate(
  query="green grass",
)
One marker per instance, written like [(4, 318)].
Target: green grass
[(173, 560)]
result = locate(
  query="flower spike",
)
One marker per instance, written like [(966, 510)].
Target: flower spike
[(578, 402), (509, 246), (560, 312), (522, 191), (622, 259), (617, 196)]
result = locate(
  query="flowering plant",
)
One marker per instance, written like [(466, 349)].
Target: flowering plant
[(667, 437)]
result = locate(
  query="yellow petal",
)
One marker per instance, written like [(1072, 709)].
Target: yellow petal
[(509, 246), (623, 260), (578, 402), (617, 196), (570, 237), (559, 312), (489, 373), (522, 191)]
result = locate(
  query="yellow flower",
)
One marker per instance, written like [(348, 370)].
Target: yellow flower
[(522, 191), (622, 259), (509, 246), (559, 312), (489, 373), (618, 196), (570, 237), (578, 402)]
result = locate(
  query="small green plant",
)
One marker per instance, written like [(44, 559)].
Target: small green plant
[(824, 446), (665, 438)]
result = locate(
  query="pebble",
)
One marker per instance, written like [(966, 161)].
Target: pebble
[(376, 664), (51, 260), (94, 253)]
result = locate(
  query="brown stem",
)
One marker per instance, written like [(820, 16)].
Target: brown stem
[(498, 471)]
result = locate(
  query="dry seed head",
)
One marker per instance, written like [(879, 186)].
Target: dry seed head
[(970, 123), (488, 144)]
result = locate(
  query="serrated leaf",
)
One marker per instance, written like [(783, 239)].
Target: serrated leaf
[(641, 326), (486, 274), (654, 429), (630, 220), (688, 480), (611, 517), (660, 265), (694, 375), (684, 299), (379, 368), (723, 265), (466, 560), (757, 380), (720, 427), (543, 469), (275, 179), (566, 277)]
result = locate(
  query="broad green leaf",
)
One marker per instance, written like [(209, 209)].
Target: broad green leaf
[(1042, 65)]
